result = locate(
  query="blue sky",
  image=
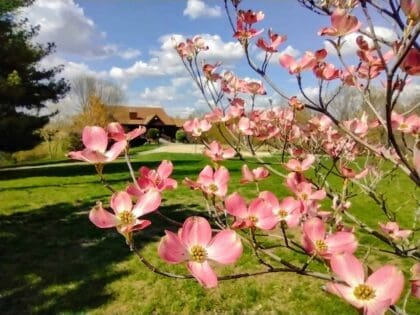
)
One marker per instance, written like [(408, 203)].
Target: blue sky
[(129, 42)]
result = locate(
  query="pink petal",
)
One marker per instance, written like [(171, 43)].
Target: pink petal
[(102, 218), (269, 197), (135, 133), (171, 249), (95, 138), (348, 268), (388, 282), (221, 176), (115, 150), (377, 307), (165, 169), (116, 131), (206, 176), (147, 203), (95, 157), (344, 292), (121, 201), (195, 231), (170, 183), (236, 205), (247, 175), (341, 242), (314, 229), (225, 247), (203, 273), (140, 225)]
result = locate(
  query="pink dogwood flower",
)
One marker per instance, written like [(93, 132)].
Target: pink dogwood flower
[(393, 230), (301, 166), (116, 132), (211, 183), (254, 175), (125, 217), (197, 127), (194, 244), (341, 24), (95, 140), (216, 152), (315, 240), (374, 295), (308, 61), (410, 124), (153, 179), (288, 210), (257, 215), (275, 41)]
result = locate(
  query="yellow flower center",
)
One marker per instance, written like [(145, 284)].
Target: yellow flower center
[(126, 217), (364, 292), (282, 213), (321, 246), (253, 219), (304, 196), (198, 253), (213, 188)]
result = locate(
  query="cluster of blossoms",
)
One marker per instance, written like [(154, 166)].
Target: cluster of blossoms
[(307, 152)]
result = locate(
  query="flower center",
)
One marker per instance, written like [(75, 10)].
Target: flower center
[(213, 188), (126, 217), (198, 253), (321, 246), (403, 126), (282, 214), (364, 292), (253, 219)]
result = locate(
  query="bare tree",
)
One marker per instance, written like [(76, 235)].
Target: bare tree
[(83, 87)]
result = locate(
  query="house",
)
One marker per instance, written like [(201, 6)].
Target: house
[(149, 117)]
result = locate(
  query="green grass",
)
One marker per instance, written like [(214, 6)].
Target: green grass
[(53, 260)]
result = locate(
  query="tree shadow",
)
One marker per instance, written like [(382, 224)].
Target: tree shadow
[(54, 260)]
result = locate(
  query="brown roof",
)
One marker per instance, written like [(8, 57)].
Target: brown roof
[(129, 115)]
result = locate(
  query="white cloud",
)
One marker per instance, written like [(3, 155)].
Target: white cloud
[(197, 8), (64, 23), (350, 47), (130, 53)]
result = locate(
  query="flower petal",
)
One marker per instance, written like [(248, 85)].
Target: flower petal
[(225, 247), (95, 138), (165, 169), (344, 292), (195, 231), (236, 206), (348, 268), (341, 242), (203, 273), (171, 249), (102, 218), (314, 229), (121, 201), (388, 282), (147, 203)]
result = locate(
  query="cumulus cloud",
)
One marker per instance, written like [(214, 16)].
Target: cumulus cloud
[(129, 53), (197, 8), (350, 47), (64, 22)]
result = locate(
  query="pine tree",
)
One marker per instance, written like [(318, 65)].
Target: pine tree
[(25, 87)]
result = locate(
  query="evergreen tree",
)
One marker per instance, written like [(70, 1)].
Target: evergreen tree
[(25, 87)]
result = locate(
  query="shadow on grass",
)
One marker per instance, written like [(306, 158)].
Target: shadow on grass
[(54, 260)]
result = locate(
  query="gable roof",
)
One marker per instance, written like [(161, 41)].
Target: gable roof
[(129, 115)]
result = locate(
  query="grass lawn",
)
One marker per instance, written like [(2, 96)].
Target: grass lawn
[(53, 260)]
